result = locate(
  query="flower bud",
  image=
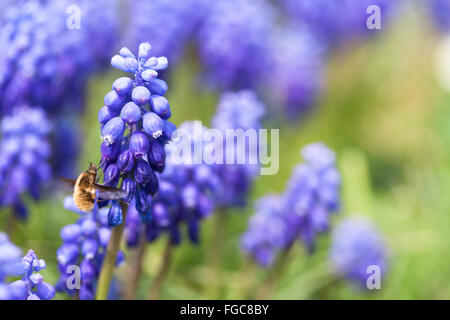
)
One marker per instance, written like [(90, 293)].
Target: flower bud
[(156, 154), (150, 62), (144, 51), (120, 258), (126, 53), (143, 172), (153, 124), (112, 175), (89, 248), (140, 95), (161, 107), (163, 63), (86, 292), (167, 192), (67, 254), (142, 202), (152, 185), (18, 290), (122, 85), (113, 101), (45, 291), (88, 271), (104, 234), (131, 113), (113, 130), (139, 144), (157, 86), (70, 233), (88, 227), (118, 62), (160, 214), (168, 129), (189, 196), (125, 162), (129, 186), (115, 216), (149, 75), (105, 114), (131, 64), (110, 151)]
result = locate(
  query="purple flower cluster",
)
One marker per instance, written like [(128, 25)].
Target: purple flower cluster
[(135, 128), (32, 286), (312, 193), (238, 110), (84, 245), (10, 264), (24, 151), (298, 70), (336, 21), (186, 194), (356, 245), (267, 230), (45, 63), (301, 212), (233, 42)]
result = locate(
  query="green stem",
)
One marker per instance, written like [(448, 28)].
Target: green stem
[(109, 261), (266, 290), (162, 272), (135, 270), (216, 258)]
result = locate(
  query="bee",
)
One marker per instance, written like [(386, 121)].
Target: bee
[(86, 190)]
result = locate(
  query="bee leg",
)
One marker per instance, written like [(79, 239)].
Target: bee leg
[(101, 200)]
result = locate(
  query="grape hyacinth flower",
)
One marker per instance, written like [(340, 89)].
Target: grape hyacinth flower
[(233, 42), (84, 245), (186, 195), (10, 258), (267, 231), (135, 128), (298, 70), (238, 110), (24, 151), (46, 63), (312, 194), (356, 245), (10, 264), (32, 286)]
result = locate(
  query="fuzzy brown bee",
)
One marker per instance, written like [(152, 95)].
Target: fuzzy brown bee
[(86, 186)]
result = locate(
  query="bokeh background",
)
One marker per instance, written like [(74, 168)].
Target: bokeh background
[(383, 108)]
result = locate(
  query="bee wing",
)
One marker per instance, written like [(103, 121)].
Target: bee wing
[(71, 182), (109, 193)]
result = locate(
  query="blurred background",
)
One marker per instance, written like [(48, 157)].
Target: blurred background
[(378, 98)]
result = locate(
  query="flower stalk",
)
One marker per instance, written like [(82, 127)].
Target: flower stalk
[(163, 271), (109, 261)]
